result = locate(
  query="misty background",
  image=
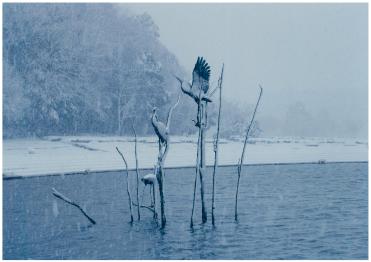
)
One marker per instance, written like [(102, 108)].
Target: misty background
[(94, 68)]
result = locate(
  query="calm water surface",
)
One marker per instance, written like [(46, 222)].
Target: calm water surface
[(305, 211)]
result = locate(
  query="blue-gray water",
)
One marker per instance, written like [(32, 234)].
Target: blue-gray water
[(306, 211)]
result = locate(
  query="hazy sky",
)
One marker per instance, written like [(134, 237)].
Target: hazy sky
[(312, 53)]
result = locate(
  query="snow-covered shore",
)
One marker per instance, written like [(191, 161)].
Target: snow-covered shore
[(53, 155)]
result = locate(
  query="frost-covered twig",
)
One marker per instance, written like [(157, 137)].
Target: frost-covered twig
[(239, 169), (170, 114), (127, 185), (69, 201)]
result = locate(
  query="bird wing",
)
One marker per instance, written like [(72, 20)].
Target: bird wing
[(201, 75)]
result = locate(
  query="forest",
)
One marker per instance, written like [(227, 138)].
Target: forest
[(74, 69)]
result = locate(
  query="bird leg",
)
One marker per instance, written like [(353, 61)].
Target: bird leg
[(142, 198), (154, 201), (150, 194)]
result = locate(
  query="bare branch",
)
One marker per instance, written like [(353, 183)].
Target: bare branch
[(147, 207), (136, 166), (127, 184), (220, 83), (198, 156), (170, 113), (69, 201), (239, 169)]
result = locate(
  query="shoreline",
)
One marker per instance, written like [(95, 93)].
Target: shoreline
[(12, 177)]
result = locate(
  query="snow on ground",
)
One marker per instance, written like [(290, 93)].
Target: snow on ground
[(57, 155)]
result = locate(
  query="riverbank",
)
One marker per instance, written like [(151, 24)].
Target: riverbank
[(67, 154)]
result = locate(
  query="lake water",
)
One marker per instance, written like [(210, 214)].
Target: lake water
[(306, 211)]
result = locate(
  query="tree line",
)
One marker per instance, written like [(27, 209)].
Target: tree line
[(72, 69), (82, 68)]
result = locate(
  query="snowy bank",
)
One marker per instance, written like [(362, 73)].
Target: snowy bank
[(58, 155)]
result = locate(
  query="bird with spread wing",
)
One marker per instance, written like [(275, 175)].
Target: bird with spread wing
[(200, 81)]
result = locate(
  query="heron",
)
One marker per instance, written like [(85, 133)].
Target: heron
[(162, 130), (200, 81), (150, 179)]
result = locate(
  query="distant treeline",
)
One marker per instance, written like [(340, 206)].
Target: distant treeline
[(87, 68)]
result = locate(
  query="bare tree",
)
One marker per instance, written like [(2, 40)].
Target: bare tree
[(240, 164), (216, 144), (127, 185), (162, 131)]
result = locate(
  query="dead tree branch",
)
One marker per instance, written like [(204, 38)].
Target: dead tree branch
[(216, 146), (201, 99), (127, 184), (200, 84), (136, 167), (170, 114), (69, 201), (243, 153), (163, 147), (202, 161), (150, 208), (197, 169)]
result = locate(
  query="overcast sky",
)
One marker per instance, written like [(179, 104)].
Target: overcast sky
[(310, 53)]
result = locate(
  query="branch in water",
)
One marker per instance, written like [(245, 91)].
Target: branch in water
[(127, 184), (240, 164), (69, 201), (136, 166), (150, 208)]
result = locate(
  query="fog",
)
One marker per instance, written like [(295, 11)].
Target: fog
[(311, 59)]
